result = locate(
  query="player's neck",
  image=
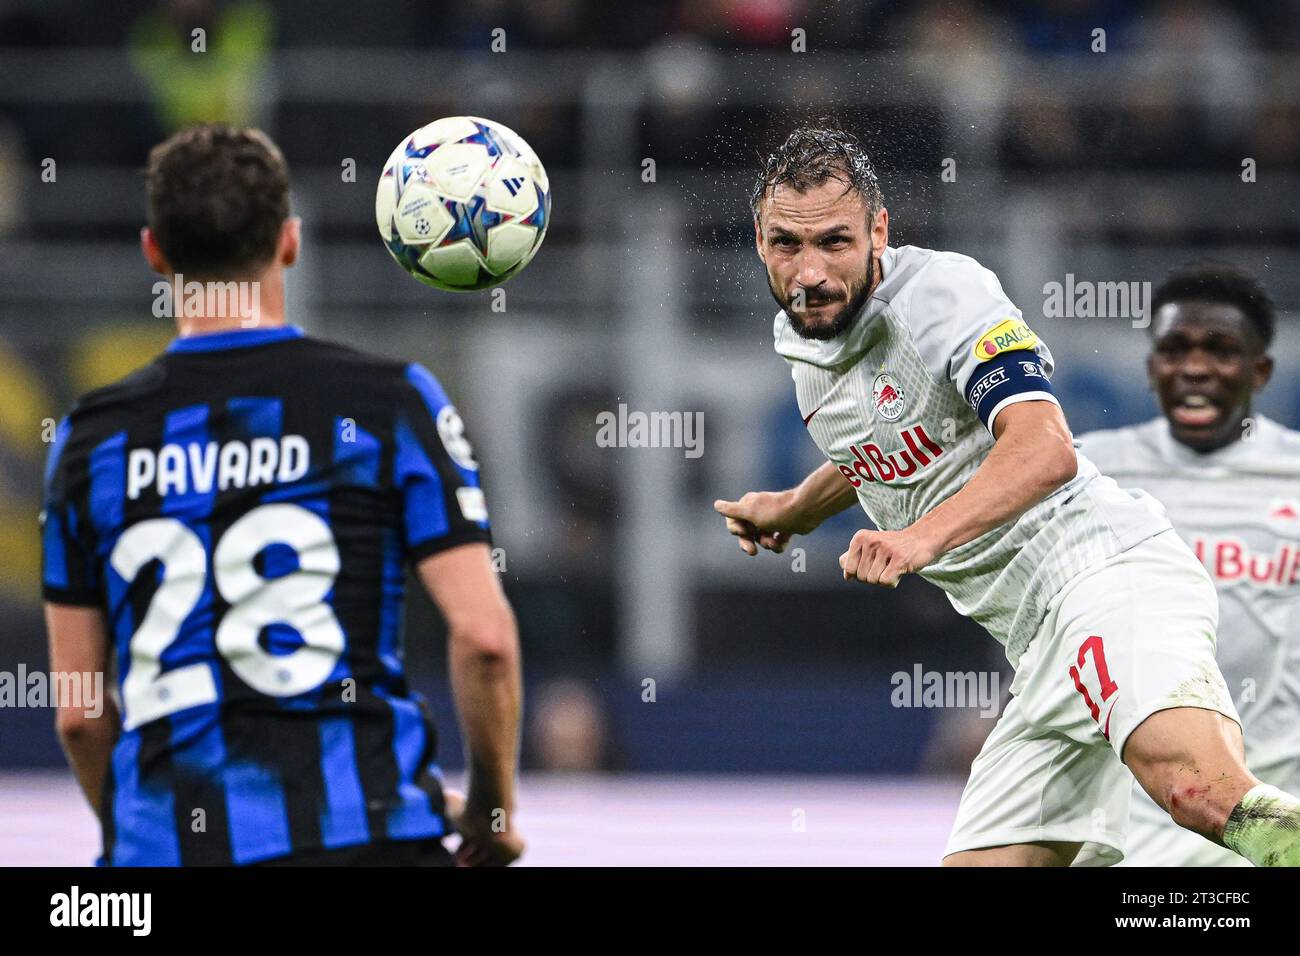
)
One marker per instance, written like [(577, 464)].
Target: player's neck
[(1242, 432), (207, 307), (203, 325)]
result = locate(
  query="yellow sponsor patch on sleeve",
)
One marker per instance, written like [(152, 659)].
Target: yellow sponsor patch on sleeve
[(1005, 337)]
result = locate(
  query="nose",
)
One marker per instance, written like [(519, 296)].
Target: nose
[(1195, 364), (809, 271)]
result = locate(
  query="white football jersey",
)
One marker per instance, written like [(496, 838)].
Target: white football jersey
[(1239, 510), (900, 403)]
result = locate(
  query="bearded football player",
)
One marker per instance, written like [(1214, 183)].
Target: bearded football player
[(930, 397)]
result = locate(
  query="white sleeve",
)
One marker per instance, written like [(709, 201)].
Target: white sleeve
[(968, 331)]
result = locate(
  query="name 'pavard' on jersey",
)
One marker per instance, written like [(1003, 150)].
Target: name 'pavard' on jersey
[(244, 509)]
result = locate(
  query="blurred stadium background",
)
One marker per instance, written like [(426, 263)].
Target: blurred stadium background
[(771, 736)]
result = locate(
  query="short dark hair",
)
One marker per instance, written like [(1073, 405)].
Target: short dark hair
[(217, 197), (813, 154), (1213, 281)]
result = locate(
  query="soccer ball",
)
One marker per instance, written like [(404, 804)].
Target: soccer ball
[(463, 203)]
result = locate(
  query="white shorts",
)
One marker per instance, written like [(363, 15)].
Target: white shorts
[(1125, 639)]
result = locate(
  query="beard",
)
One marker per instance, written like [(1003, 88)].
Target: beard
[(844, 318)]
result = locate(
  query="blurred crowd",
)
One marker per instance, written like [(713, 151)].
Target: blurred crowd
[(1199, 54), (1047, 26)]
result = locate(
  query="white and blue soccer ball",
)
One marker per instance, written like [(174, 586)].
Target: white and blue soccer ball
[(463, 203)]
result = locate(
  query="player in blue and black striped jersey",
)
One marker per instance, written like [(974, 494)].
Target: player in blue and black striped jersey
[(228, 531)]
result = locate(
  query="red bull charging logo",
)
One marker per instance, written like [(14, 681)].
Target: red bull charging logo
[(887, 397)]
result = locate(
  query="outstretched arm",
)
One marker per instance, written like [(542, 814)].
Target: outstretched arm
[(770, 518)]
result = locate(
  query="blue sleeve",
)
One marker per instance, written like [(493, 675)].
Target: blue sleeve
[(69, 572), (1016, 376), (435, 471)]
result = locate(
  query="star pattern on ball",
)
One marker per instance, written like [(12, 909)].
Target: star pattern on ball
[(487, 137), (471, 220), (539, 215), (419, 152)]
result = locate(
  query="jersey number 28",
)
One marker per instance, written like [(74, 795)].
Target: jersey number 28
[(296, 599)]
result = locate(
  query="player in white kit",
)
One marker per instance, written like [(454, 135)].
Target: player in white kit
[(1230, 481), (929, 394)]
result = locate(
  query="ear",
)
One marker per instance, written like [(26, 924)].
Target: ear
[(880, 232), (758, 240), (1262, 372), (1151, 373), (152, 253), (286, 254)]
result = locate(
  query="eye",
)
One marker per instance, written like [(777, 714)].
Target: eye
[(835, 240), (784, 241), (1225, 349)]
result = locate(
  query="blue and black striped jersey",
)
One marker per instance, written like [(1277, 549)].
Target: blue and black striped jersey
[(244, 509)]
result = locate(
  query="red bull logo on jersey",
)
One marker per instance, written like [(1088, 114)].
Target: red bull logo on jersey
[(1005, 337), (887, 397), (1229, 559), (870, 463)]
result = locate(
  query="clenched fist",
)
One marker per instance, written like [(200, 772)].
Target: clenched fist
[(883, 557)]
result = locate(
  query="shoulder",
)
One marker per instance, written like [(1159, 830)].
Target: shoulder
[(778, 325), (1109, 447), (130, 388), (344, 358), (426, 385), (409, 384), (957, 314), (350, 369), (1286, 439), (1277, 442), (931, 287), (96, 418), (104, 411), (947, 299)]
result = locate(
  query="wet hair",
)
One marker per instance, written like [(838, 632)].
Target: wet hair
[(217, 196), (810, 156), (1220, 282)]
